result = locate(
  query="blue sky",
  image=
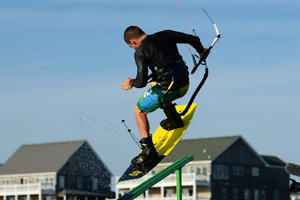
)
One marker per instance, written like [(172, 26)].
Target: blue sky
[(63, 62)]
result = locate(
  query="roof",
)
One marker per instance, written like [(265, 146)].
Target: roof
[(273, 161), (206, 148), (37, 158)]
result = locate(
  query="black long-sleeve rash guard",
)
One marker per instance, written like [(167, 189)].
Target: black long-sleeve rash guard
[(154, 48)]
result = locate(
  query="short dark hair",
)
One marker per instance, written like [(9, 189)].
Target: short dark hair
[(132, 32)]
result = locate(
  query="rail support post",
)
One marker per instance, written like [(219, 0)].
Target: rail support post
[(178, 184)]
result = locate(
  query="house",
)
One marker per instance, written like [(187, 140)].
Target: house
[(223, 168), (55, 171)]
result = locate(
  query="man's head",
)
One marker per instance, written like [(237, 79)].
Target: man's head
[(133, 36)]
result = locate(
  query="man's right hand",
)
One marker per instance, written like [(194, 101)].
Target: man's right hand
[(126, 85)]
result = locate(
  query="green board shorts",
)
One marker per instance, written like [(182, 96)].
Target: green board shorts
[(149, 101)]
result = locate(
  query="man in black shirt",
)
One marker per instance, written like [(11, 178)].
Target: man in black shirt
[(159, 53)]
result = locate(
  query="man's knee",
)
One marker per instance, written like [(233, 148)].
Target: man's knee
[(137, 111)]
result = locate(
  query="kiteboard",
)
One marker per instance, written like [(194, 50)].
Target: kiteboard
[(164, 141)]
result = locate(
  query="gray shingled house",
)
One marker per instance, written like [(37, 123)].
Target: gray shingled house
[(223, 168), (55, 171)]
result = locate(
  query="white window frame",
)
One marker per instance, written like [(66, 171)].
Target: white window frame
[(256, 194), (255, 171), (247, 194), (79, 183), (276, 195), (61, 182), (95, 183)]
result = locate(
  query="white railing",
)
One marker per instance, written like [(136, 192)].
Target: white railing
[(204, 178), (187, 179), (173, 198), (35, 188)]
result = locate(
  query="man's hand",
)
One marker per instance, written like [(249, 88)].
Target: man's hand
[(126, 85), (202, 55)]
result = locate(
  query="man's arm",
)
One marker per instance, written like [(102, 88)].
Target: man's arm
[(142, 74), (141, 78), (187, 38)]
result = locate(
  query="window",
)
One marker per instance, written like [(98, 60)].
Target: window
[(276, 195), (192, 169), (61, 182), (238, 171), (198, 170), (24, 180), (256, 195), (201, 170), (224, 193), (186, 192), (7, 181), (46, 181), (186, 169), (246, 194), (95, 184), (263, 195), (235, 193), (51, 181), (168, 192), (79, 183), (255, 171), (42, 180), (220, 172), (204, 170)]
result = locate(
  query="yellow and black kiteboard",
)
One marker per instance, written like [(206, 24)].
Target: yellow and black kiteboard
[(164, 141)]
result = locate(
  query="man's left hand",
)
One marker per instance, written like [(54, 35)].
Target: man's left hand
[(204, 54)]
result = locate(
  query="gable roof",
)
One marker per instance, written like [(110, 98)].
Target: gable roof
[(37, 158), (273, 161), (202, 149)]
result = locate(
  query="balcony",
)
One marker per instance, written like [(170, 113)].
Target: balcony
[(187, 179), (23, 189)]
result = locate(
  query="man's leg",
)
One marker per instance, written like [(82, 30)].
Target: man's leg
[(148, 150), (173, 120), (142, 122)]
